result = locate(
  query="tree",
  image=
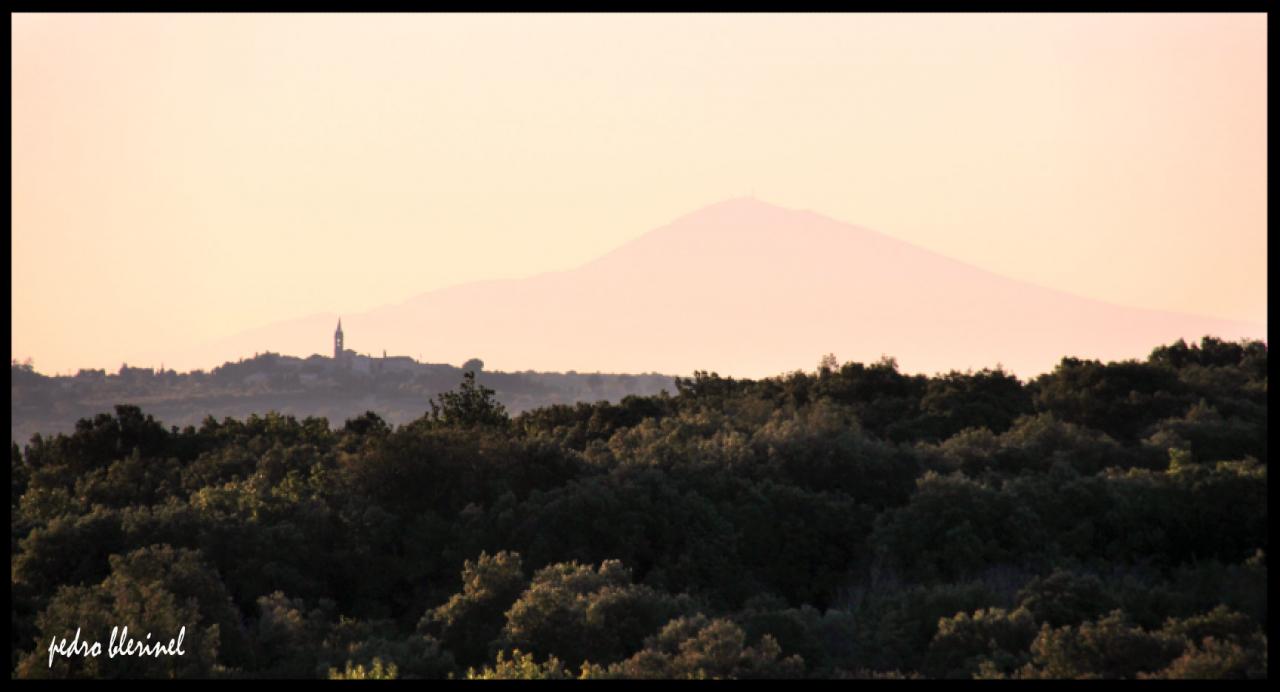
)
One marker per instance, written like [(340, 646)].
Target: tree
[(1066, 598), (472, 405), (698, 647), (521, 666), (470, 620), (551, 616), (1109, 648), (377, 671), (828, 364), (825, 524), (157, 590), (964, 643)]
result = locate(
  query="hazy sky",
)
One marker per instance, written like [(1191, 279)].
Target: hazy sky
[(178, 178)]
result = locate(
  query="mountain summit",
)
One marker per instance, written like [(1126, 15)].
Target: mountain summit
[(747, 288)]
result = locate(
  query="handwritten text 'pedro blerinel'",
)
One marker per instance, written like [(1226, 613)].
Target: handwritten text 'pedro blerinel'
[(120, 645)]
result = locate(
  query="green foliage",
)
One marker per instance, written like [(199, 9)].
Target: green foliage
[(1204, 433), (952, 527), (377, 671), (799, 631), (1104, 520), (1212, 659), (987, 640), (1066, 598), (989, 399), (472, 405), (520, 666), (1217, 644), (1107, 648), (155, 591), (897, 624), (470, 621), (1120, 399), (701, 648), (579, 614), (1037, 443)]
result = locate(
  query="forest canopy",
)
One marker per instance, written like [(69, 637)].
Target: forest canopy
[(1101, 520)]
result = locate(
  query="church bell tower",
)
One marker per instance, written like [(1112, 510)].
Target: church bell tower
[(337, 341)]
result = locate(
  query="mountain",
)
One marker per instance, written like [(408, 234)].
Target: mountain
[(749, 289)]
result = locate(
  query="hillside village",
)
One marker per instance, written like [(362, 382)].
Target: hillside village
[(337, 388)]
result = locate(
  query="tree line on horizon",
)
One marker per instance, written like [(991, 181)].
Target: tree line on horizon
[(1101, 520), (302, 387)]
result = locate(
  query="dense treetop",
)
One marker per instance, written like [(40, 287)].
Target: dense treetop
[(1104, 519)]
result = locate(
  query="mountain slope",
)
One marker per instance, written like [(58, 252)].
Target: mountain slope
[(750, 289)]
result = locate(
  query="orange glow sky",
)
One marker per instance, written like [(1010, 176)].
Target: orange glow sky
[(179, 178)]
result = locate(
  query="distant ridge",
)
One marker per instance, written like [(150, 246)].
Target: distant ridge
[(751, 289)]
